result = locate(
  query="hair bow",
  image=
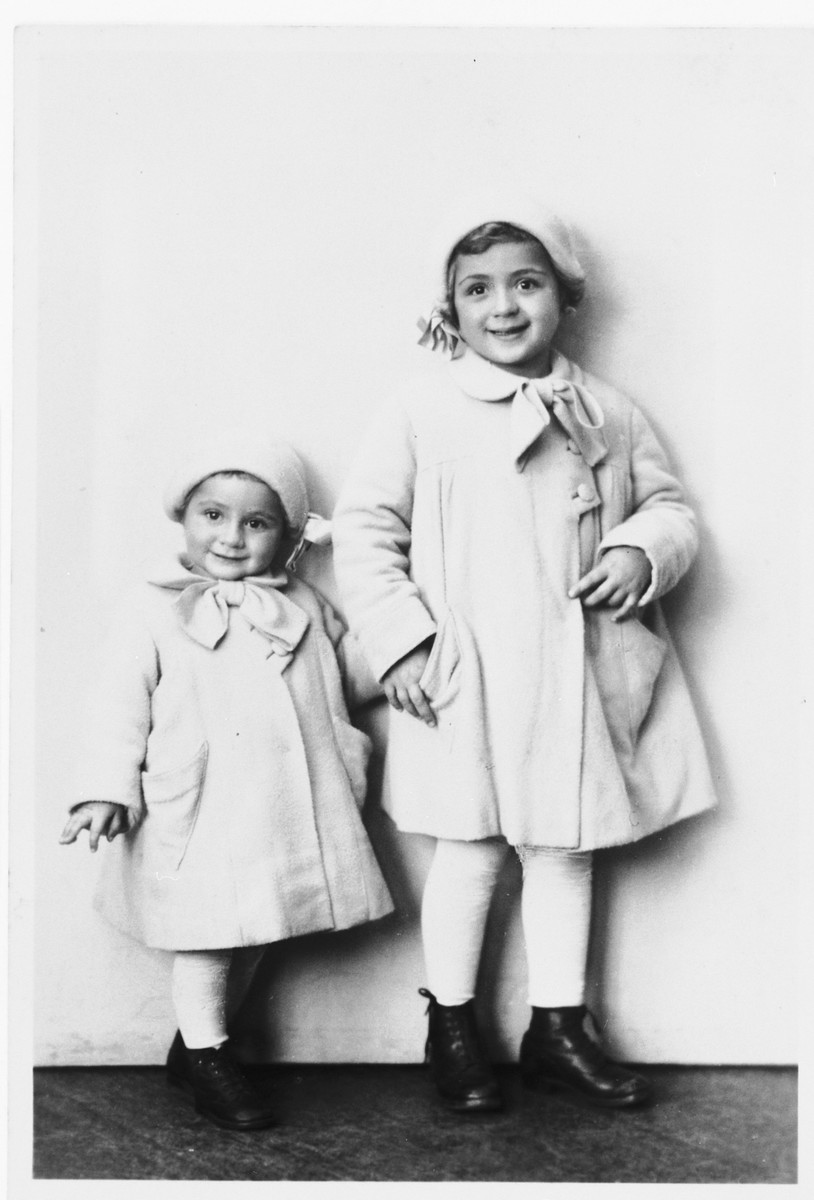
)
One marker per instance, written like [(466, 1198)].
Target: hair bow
[(317, 531), (438, 333)]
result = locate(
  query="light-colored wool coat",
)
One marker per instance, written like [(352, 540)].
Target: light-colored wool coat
[(243, 777), (475, 503)]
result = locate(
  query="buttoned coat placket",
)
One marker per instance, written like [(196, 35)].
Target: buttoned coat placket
[(555, 726)]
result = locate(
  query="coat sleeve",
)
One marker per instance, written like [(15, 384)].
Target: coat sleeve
[(661, 523), (372, 538), (359, 684), (117, 719)]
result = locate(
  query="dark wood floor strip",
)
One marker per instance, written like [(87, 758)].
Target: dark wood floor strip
[(710, 1125)]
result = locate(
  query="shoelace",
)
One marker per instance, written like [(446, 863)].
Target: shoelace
[(230, 1078), (458, 1030)]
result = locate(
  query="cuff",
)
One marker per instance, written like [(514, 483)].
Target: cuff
[(402, 629)]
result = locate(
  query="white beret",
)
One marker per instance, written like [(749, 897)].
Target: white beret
[(273, 462), (526, 213)]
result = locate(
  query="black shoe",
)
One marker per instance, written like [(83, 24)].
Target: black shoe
[(461, 1071), (556, 1052), (216, 1082)]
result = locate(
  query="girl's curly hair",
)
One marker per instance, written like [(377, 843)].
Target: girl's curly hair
[(495, 233)]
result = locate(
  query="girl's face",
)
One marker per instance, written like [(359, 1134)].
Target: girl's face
[(233, 527), (509, 306)]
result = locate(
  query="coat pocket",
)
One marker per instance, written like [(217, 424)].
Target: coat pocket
[(354, 750), (441, 678), (172, 799), (643, 655), (627, 660)]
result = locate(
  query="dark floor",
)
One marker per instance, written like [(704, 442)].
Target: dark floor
[(709, 1125)]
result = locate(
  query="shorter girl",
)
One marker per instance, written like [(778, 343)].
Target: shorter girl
[(221, 749)]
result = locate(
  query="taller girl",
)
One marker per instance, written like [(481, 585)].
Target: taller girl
[(501, 544)]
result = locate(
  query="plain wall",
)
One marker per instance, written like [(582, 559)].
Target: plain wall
[(220, 224)]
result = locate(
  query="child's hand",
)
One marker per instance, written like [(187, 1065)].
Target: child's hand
[(619, 580), (401, 686), (99, 817)]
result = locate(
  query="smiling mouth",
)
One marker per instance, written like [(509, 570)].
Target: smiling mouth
[(508, 333)]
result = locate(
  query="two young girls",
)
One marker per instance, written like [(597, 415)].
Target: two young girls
[(501, 545)]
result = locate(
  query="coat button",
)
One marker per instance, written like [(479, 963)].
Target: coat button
[(585, 492)]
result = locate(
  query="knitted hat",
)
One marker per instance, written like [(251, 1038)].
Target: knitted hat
[(274, 462), (526, 213)]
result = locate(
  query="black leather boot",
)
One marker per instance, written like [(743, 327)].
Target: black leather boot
[(460, 1069), (216, 1082), (557, 1052)]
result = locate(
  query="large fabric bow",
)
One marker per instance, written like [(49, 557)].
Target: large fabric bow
[(535, 401), (203, 608)]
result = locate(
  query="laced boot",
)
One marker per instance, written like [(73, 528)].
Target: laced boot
[(557, 1052), (459, 1067), (216, 1082)]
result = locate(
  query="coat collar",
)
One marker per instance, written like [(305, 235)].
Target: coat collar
[(562, 393)]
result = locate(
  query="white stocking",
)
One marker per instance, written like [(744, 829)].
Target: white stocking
[(556, 911), (456, 902), (199, 980)]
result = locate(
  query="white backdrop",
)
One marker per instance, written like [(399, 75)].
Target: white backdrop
[(231, 223)]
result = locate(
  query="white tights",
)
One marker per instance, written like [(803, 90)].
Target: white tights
[(555, 909), (208, 987)]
